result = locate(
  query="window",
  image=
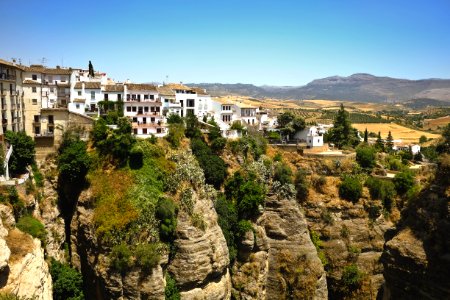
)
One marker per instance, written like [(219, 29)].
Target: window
[(92, 95), (190, 103), (37, 130), (146, 109), (152, 97), (145, 97), (52, 90), (79, 93), (158, 130), (63, 79), (134, 130), (128, 108), (77, 106), (50, 78), (34, 101), (119, 97), (36, 118), (106, 97), (152, 120), (33, 89), (166, 100), (51, 120), (135, 120), (34, 77), (144, 131), (133, 108)]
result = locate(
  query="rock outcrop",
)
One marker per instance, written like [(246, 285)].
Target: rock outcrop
[(102, 282), (23, 269), (200, 265), (416, 257), (283, 262)]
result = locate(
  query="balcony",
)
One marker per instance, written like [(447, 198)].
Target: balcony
[(4, 76)]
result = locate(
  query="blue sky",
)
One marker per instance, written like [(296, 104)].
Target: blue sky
[(259, 42)]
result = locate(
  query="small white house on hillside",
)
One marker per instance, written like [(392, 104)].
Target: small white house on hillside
[(311, 136)]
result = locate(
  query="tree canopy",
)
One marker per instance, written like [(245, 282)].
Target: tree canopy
[(23, 151), (343, 134)]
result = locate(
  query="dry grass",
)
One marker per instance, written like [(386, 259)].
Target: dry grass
[(433, 124), (19, 243), (398, 131)]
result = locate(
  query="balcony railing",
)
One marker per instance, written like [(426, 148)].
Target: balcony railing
[(4, 76)]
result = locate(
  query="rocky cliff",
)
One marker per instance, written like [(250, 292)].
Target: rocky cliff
[(23, 269), (416, 256), (279, 261)]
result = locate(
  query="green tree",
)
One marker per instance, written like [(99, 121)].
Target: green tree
[(282, 173), (301, 185), (389, 142), (366, 136), (227, 220), (214, 131), (444, 147), (67, 282), (192, 127), (423, 139), (23, 151), (403, 182), (174, 119), (176, 133), (351, 278), (342, 133), (365, 156), (166, 212), (350, 189), (171, 291), (91, 70), (73, 162), (213, 165), (121, 258), (379, 144)]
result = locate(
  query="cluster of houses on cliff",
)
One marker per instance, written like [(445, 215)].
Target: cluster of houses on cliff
[(45, 101)]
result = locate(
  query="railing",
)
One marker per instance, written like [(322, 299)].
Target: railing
[(5, 76)]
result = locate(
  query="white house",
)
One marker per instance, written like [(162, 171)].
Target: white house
[(246, 113), (86, 96), (203, 103), (311, 136), (143, 106), (186, 96)]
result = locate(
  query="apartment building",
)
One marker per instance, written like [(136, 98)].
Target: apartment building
[(144, 108), (186, 96), (43, 88), (11, 96)]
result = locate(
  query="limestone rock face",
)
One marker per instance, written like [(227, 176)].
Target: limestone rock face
[(23, 269), (91, 258), (284, 261), (200, 265), (48, 212)]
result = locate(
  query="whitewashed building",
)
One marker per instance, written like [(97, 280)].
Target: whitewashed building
[(143, 107), (311, 136)]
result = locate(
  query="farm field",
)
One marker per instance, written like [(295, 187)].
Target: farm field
[(433, 124), (398, 132)]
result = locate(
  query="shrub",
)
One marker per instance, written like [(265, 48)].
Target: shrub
[(136, 158), (37, 175), (147, 256), (319, 182), (212, 165), (14, 199), (351, 277), (273, 135), (365, 156), (282, 174), (394, 163), (166, 213), (243, 227), (174, 119), (67, 282), (317, 242), (121, 258), (33, 227), (302, 185), (403, 181), (382, 190), (227, 220), (350, 189), (278, 157), (171, 291), (219, 144), (423, 139), (152, 139)]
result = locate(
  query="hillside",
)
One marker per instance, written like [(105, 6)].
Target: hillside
[(357, 87)]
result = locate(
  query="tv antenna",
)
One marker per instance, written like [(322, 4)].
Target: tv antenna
[(44, 61)]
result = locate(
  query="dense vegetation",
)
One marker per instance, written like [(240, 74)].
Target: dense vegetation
[(342, 134), (23, 151), (67, 282)]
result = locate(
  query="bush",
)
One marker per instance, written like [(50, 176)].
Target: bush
[(23, 151), (174, 119), (219, 144), (37, 175), (212, 165), (147, 256), (121, 258), (67, 282), (33, 227), (365, 156), (152, 139), (243, 227), (382, 190), (278, 157), (176, 133), (350, 189), (136, 158), (227, 220), (282, 174), (351, 277), (301, 185), (403, 181), (167, 214), (171, 291)]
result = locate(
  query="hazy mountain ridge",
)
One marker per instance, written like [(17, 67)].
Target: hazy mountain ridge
[(357, 87)]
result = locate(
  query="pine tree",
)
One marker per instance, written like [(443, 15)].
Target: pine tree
[(91, 69), (379, 143), (366, 136), (342, 133), (389, 142)]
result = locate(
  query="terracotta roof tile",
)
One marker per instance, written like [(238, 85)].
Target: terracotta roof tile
[(27, 81), (178, 86), (113, 88), (88, 85), (165, 91), (45, 70), (141, 87), (200, 91)]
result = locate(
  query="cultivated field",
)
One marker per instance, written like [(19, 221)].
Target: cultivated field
[(398, 132), (433, 124)]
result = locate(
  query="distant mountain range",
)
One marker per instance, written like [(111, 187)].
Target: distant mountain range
[(357, 87)]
